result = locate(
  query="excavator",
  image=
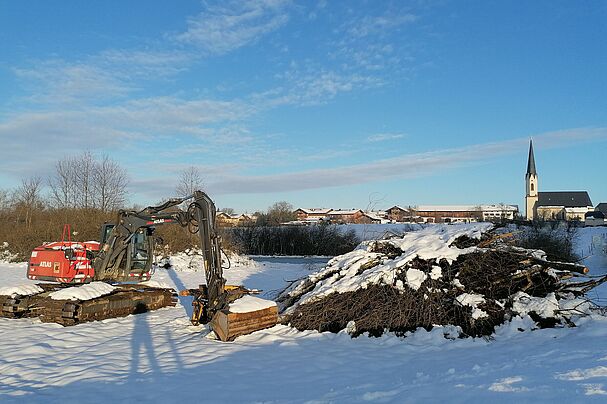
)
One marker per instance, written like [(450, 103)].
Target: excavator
[(124, 258)]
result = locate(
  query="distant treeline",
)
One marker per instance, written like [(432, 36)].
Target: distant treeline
[(87, 190), (291, 240)]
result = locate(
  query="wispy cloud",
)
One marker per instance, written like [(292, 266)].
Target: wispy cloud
[(56, 81), (370, 25), (376, 44), (382, 137), (405, 166), (313, 85), (233, 24), (107, 75)]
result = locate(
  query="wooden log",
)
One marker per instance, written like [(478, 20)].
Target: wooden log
[(563, 266)]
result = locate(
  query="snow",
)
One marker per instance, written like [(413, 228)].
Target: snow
[(341, 274), (153, 283), (84, 292), (415, 277), (543, 306), (435, 241), (377, 231), (436, 272), (20, 290), (160, 357), (472, 300), (250, 303)]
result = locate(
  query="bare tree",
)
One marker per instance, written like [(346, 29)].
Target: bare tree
[(28, 198), (281, 212), (85, 167), (229, 211), (63, 184), (190, 180), (109, 185), (85, 182), (5, 199)]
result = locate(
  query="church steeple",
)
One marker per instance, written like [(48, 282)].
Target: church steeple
[(531, 185), (531, 160)]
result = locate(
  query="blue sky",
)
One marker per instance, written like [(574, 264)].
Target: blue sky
[(332, 104)]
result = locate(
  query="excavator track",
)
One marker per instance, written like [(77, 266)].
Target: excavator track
[(125, 300)]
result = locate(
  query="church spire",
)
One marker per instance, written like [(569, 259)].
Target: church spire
[(531, 161)]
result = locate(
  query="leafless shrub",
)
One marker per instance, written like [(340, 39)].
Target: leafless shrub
[(555, 239), (292, 240)]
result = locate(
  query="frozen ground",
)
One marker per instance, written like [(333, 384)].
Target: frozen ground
[(375, 231), (160, 357)]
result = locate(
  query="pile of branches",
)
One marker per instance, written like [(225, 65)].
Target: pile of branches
[(371, 291)]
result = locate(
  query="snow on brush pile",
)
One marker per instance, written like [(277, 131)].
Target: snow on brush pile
[(436, 276)]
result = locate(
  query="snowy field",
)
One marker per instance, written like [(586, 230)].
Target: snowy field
[(160, 357)]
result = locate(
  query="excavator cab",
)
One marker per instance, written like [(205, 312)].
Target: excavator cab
[(139, 255), (141, 251)]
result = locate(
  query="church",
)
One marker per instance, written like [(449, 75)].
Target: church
[(559, 205)]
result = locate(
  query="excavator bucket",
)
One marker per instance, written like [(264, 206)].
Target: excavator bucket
[(242, 313), (244, 316)]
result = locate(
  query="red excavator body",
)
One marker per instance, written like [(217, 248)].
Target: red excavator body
[(63, 261)]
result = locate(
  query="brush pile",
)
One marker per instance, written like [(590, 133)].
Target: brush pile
[(467, 276)]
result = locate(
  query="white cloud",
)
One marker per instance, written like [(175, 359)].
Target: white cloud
[(221, 29), (382, 137)]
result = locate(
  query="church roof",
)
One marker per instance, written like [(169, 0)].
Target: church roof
[(602, 207), (531, 160), (567, 199)]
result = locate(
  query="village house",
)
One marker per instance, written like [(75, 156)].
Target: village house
[(400, 214), (312, 214), (348, 216), (226, 220), (375, 217), (559, 205)]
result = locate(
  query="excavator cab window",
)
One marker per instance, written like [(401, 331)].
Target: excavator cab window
[(140, 253), (106, 230)]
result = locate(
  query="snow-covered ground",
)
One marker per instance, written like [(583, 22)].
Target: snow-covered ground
[(375, 231), (160, 357)]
